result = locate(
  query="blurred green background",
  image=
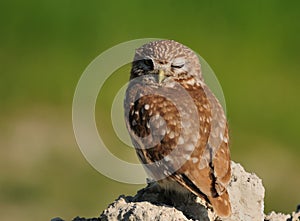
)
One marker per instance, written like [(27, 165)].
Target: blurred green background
[(45, 46)]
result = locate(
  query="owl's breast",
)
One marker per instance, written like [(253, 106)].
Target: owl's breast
[(163, 122)]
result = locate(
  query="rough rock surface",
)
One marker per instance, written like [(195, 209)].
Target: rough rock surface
[(295, 216), (151, 203), (246, 195)]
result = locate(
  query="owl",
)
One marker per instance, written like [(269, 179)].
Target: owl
[(177, 125)]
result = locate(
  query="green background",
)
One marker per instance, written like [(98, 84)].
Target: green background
[(252, 46)]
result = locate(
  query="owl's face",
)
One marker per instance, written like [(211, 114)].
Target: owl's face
[(160, 62)]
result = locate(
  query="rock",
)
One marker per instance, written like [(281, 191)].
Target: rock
[(283, 217), (152, 203), (246, 194), (124, 209), (277, 217)]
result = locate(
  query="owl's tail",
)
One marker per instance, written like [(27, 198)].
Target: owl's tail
[(221, 204)]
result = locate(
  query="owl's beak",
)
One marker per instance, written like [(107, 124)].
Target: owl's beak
[(161, 76)]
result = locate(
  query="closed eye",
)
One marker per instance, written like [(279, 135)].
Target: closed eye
[(177, 66)]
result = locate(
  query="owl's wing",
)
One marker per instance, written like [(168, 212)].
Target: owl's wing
[(212, 175), (218, 143)]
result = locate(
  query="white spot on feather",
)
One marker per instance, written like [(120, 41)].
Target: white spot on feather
[(167, 158), (221, 136), (191, 81), (171, 135), (180, 140), (189, 147), (195, 159), (186, 156), (166, 173), (225, 139)]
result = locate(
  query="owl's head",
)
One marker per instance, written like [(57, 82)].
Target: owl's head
[(163, 60)]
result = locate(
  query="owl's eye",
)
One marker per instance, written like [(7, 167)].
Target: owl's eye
[(148, 62), (178, 66), (178, 62)]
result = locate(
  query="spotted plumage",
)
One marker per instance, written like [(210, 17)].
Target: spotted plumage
[(177, 125)]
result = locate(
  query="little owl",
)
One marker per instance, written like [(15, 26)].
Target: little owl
[(177, 125)]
